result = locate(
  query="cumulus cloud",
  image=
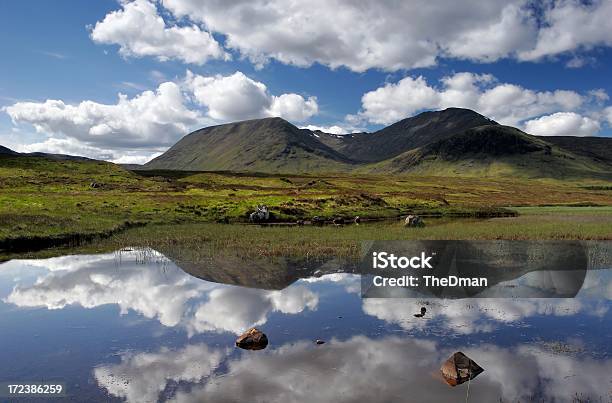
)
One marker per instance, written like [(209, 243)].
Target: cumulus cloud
[(562, 124), (236, 309), (570, 25), (238, 97), (386, 35), (150, 119), (142, 377), (140, 31), (334, 129), (72, 146), (396, 368), (158, 290), (608, 114), (136, 129), (155, 291), (360, 36), (504, 102)]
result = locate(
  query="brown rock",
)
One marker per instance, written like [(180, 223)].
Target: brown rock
[(252, 339), (459, 368)]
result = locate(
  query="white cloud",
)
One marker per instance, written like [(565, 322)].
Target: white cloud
[(149, 120), (562, 124), (136, 129), (334, 129), (360, 35), (235, 309), (608, 114), (238, 97), (294, 107), (157, 290), (570, 25), (142, 377), (363, 35), (506, 103), (397, 368), (140, 31)]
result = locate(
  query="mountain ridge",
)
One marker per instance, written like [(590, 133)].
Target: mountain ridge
[(453, 135)]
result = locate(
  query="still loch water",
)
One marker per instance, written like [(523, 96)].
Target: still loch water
[(133, 326)]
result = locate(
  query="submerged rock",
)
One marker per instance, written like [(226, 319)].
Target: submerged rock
[(459, 368), (252, 339), (414, 221), (262, 214), (316, 220)]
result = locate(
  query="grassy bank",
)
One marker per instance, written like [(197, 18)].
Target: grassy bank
[(45, 203), (203, 240)]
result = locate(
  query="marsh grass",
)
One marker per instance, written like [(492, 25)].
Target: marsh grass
[(42, 199)]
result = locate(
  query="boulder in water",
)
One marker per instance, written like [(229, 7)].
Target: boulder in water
[(414, 221), (459, 368), (252, 339)]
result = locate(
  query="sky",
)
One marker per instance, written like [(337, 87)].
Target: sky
[(124, 80)]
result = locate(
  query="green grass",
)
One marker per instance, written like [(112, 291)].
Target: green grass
[(41, 198), (196, 242)]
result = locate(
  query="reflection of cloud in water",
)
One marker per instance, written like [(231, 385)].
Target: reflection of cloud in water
[(152, 290), (142, 377), (351, 282), (367, 370), (474, 315), (235, 309), (155, 290)]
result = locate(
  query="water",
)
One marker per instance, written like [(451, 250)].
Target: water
[(134, 326)]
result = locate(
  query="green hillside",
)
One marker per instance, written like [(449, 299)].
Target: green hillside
[(451, 142)]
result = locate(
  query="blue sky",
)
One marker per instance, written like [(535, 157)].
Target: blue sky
[(335, 65)]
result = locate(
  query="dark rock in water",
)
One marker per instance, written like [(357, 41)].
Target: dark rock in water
[(319, 341), (262, 214), (420, 315), (414, 221), (459, 368), (252, 339), (300, 223), (316, 220)]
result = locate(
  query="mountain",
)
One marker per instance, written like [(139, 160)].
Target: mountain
[(494, 150), (406, 134), (267, 145), (448, 142), (597, 148), (7, 151)]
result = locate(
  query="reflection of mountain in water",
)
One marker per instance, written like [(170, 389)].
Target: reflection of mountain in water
[(157, 289), (557, 268)]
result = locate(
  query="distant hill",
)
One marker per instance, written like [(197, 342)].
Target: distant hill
[(60, 157), (454, 141), (495, 150), (266, 145), (597, 148), (407, 134), (7, 151)]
